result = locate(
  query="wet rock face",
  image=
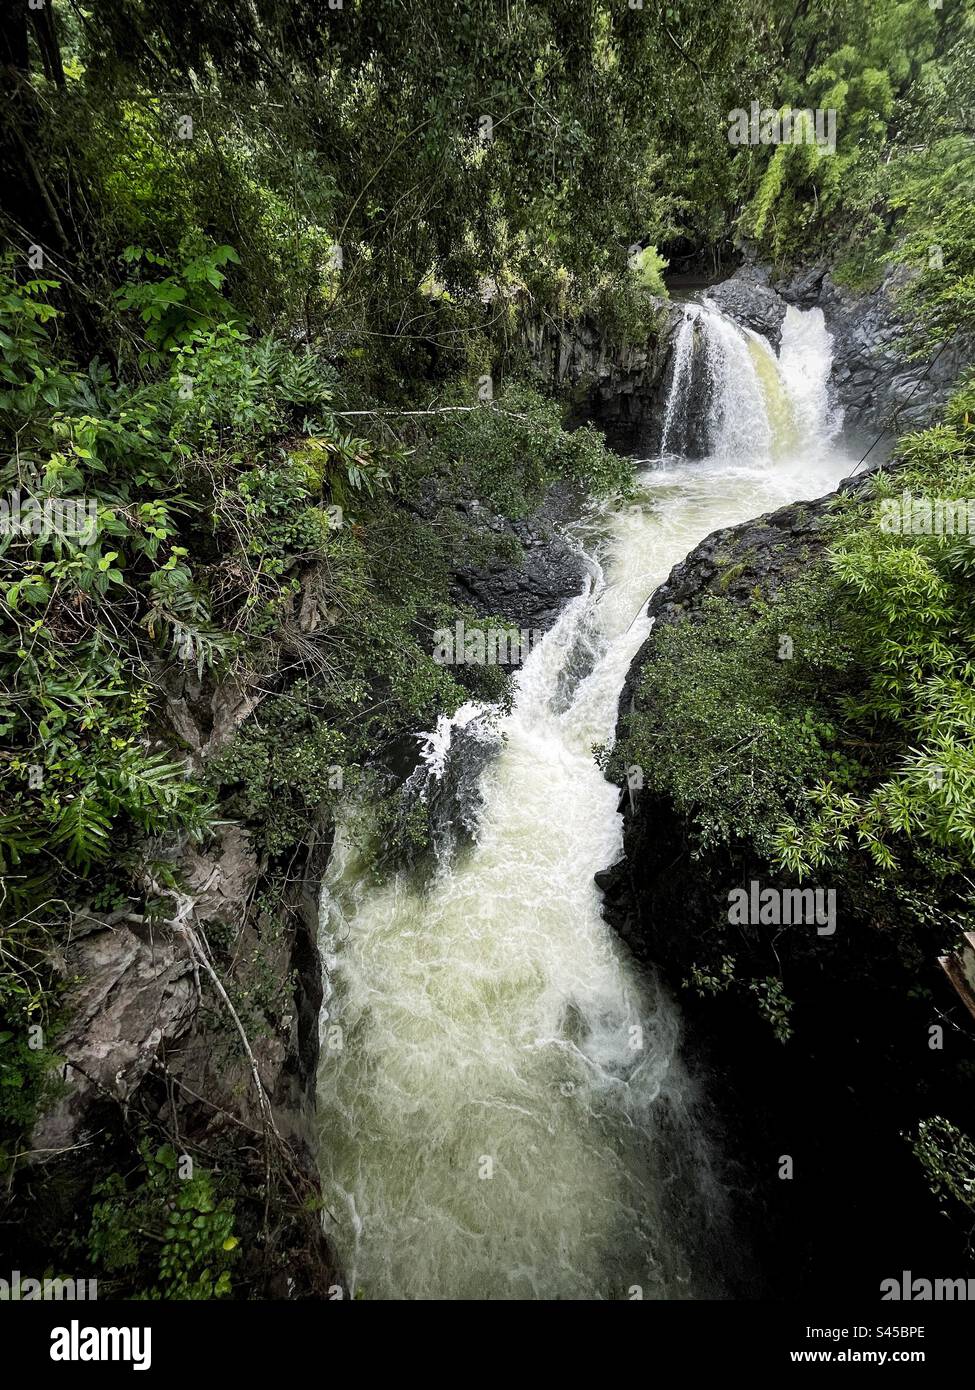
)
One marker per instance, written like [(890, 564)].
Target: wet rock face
[(749, 299), (736, 562), (872, 377), (446, 784), (620, 387), (762, 554), (530, 594)]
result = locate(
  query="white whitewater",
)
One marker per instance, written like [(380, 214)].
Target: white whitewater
[(680, 375), (503, 1108)]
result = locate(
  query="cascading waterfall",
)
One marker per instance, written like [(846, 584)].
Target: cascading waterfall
[(753, 402), (680, 381), (805, 359), (503, 1107)]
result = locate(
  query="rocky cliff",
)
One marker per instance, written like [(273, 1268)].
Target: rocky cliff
[(199, 1019), (837, 1099), (621, 386), (880, 386)]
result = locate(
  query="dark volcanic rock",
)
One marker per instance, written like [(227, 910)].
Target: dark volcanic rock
[(621, 387), (749, 299), (873, 378), (531, 593), (879, 386), (761, 555)]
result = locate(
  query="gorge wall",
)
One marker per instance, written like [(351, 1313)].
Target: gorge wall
[(840, 1095)]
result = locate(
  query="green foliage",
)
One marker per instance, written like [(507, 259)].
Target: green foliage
[(862, 265), (897, 190), (26, 1072), (166, 1235), (648, 267), (947, 1156), (79, 763), (508, 453), (288, 763), (181, 307), (727, 729), (164, 523), (160, 479), (774, 1005), (913, 596), (712, 981), (862, 64), (931, 190)]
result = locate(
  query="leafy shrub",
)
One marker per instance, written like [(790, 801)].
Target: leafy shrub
[(184, 305), (91, 617), (913, 595), (728, 730), (287, 761), (509, 455), (947, 1156), (167, 1235)]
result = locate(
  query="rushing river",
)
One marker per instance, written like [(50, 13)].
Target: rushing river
[(502, 1104)]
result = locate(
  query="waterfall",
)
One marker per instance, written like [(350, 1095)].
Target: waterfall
[(504, 1108), (732, 396), (680, 381), (805, 361)]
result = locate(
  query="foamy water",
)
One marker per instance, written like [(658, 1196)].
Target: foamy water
[(503, 1108)]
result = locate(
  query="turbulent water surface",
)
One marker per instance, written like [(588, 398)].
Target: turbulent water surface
[(503, 1108)]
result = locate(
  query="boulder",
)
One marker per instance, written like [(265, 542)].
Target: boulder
[(530, 594), (748, 301), (133, 991)]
